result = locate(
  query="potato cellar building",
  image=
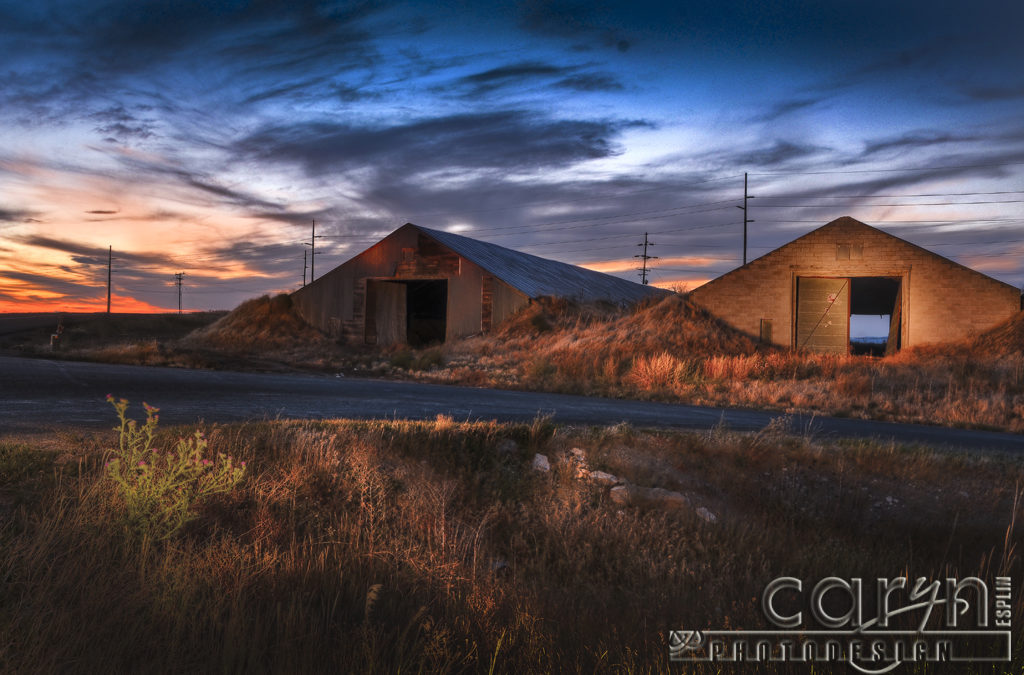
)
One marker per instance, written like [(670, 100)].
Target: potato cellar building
[(418, 286), (803, 294)]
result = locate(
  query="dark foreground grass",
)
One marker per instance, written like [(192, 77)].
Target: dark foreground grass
[(434, 547)]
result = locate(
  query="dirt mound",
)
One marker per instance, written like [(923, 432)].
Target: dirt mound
[(676, 325), (263, 325), (548, 314), (1004, 339)]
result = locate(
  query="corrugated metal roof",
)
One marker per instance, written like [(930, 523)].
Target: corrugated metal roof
[(536, 276)]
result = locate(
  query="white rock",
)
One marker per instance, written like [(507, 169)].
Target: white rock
[(603, 478), (707, 515), (541, 463)]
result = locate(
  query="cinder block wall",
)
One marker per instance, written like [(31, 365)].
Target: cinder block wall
[(942, 300)]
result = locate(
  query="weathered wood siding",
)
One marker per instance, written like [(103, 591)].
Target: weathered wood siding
[(337, 302)]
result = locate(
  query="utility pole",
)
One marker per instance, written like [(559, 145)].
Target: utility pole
[(305, 265), (644, 257), (312, 253), (745, 219), (177, 279), (110, 260)]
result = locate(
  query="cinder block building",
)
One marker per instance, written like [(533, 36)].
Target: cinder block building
[(803, 294), (419, 285)]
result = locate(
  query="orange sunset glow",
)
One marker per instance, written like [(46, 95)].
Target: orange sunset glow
[(212, 139)]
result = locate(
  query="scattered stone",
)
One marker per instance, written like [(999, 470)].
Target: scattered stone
[(663, 497), (541, 463), (620, 495), (603, 478), (707, 515), (507, 446)]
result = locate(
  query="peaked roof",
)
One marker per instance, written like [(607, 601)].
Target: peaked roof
[(536, 276), (845, 222)]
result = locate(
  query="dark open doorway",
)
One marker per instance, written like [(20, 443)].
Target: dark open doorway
[(875, 315), (426, 311)]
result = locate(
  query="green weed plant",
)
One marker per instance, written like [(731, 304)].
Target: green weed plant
[(161, 489)]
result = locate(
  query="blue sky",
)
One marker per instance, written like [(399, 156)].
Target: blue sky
[(204, 137)]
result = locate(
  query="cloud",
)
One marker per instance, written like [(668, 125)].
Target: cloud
[(88, 255), (513, 75), (914, 141), (590, 82), (246, 52), (52, 284), (585, 21), (119, 124), (507, 140), (16, 215), (779, 153), (527, 73), (197, 181), (785, 107), (994, 92)]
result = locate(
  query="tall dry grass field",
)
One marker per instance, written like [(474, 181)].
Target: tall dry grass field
[(667, 350), (435, 547)]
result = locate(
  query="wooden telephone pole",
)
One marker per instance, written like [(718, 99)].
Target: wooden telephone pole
[(178, 276), (745, 219), (110, 259), (644, 258), (312, 255)]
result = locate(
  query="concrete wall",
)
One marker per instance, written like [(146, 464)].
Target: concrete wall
[(942, 300)]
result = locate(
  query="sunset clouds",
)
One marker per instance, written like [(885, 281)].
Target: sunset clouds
[(205, 137)]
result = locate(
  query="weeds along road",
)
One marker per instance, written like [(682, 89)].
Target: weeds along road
[(41, 394)]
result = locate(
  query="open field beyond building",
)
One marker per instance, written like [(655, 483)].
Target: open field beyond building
[(667, 350)]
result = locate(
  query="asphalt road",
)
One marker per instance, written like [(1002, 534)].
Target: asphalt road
[(39, 394)]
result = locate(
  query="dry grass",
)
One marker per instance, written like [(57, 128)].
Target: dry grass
[(432, 547), (674, 351), (260, 334), (666, 350)]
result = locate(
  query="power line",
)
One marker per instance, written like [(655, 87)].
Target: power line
[(929, 168), (921, 194), (832, 206), (612, 217), (659, 188)]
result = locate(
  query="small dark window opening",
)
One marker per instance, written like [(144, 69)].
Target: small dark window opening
[(875, 315), (426, 311), (766, 331)]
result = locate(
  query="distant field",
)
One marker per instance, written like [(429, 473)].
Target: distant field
[(30, 332), (669, 350)]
